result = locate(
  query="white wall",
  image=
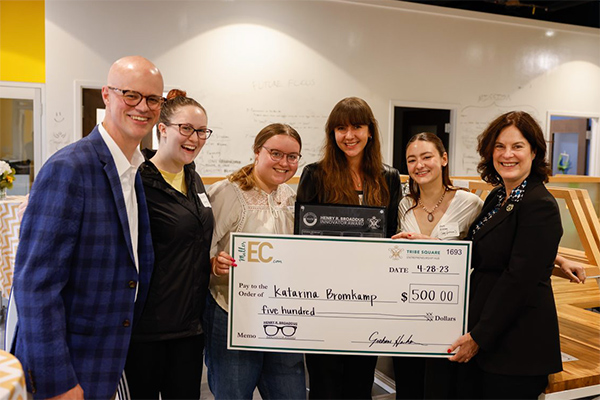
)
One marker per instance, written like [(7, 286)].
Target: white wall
[(255, 62)]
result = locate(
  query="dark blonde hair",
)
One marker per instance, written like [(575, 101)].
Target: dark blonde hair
[(176, 99), (335, 179), (244, 177), (530, 130)]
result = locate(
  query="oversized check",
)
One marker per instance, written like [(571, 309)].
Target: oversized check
[(314, 294)]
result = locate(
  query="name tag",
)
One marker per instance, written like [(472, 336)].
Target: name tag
[(449, 230), (204, 200)]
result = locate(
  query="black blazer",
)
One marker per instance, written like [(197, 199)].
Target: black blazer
[(512, 315), (309, 192)]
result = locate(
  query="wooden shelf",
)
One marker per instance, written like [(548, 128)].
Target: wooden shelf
[(579, 335), (584, 218)]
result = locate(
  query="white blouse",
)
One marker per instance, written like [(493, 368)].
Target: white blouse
[(251, 211), (455, 222)]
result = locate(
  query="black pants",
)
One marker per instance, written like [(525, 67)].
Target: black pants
[(172, 368), (425, 378), (340, 376), (474, 383), (409, 374)]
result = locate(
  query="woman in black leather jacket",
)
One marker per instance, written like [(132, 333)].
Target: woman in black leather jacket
[(351, 172)]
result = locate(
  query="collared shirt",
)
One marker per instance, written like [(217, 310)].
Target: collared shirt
[(126, 171), (516, 195)]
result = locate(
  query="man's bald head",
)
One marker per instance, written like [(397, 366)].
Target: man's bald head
[(131, 66)]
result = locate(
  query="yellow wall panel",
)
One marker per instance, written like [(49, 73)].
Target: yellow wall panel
[(6, 142), (22, 41)]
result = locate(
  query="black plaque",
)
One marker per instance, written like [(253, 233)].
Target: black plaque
[(339, 220)]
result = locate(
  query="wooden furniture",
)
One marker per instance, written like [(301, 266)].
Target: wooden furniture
[(579, 338), (584, 217), (586, 222)]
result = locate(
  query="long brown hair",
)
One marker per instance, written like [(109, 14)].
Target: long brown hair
[(176, 99), (244, 176), (335, 180), (415, 191), (530, 130)]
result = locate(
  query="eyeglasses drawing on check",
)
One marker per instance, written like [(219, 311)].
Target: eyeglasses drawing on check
[(286, 330)]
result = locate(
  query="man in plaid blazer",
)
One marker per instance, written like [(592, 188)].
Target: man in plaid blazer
[(85, 255)]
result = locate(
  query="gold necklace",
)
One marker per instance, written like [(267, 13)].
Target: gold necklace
[(355, 178), (430, 213)]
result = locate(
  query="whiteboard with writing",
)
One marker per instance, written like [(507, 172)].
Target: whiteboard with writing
[(251, 63), (473, 120)]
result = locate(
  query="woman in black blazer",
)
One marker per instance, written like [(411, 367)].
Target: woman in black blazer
[(513, 341)]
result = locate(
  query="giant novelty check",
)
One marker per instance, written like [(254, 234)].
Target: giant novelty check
[(347, 295)]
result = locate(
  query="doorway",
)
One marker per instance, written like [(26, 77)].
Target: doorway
[(21, 132), (92, 102), (408, 121), (571, 145)]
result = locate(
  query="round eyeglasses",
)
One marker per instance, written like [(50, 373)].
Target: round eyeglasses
[(188, 130), (277, 155), (133, 98)]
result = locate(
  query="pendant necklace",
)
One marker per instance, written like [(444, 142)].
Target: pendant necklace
[(430, 213), (356, 180)]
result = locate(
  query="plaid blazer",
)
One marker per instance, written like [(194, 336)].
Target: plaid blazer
[(75, 279)]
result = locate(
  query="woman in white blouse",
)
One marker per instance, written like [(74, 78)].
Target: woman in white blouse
[(254, 199), (433, 209)]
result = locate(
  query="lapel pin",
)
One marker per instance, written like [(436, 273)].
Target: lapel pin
[(510, 207)]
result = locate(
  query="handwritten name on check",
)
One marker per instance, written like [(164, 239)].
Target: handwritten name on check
[(340, 295)]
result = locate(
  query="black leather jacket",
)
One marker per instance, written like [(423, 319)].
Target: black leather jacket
[(181, 228), (308, 192)]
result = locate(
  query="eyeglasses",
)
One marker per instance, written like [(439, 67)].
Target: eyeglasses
[(287, 330), (187, 130), (277, 155), (133, 98)]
